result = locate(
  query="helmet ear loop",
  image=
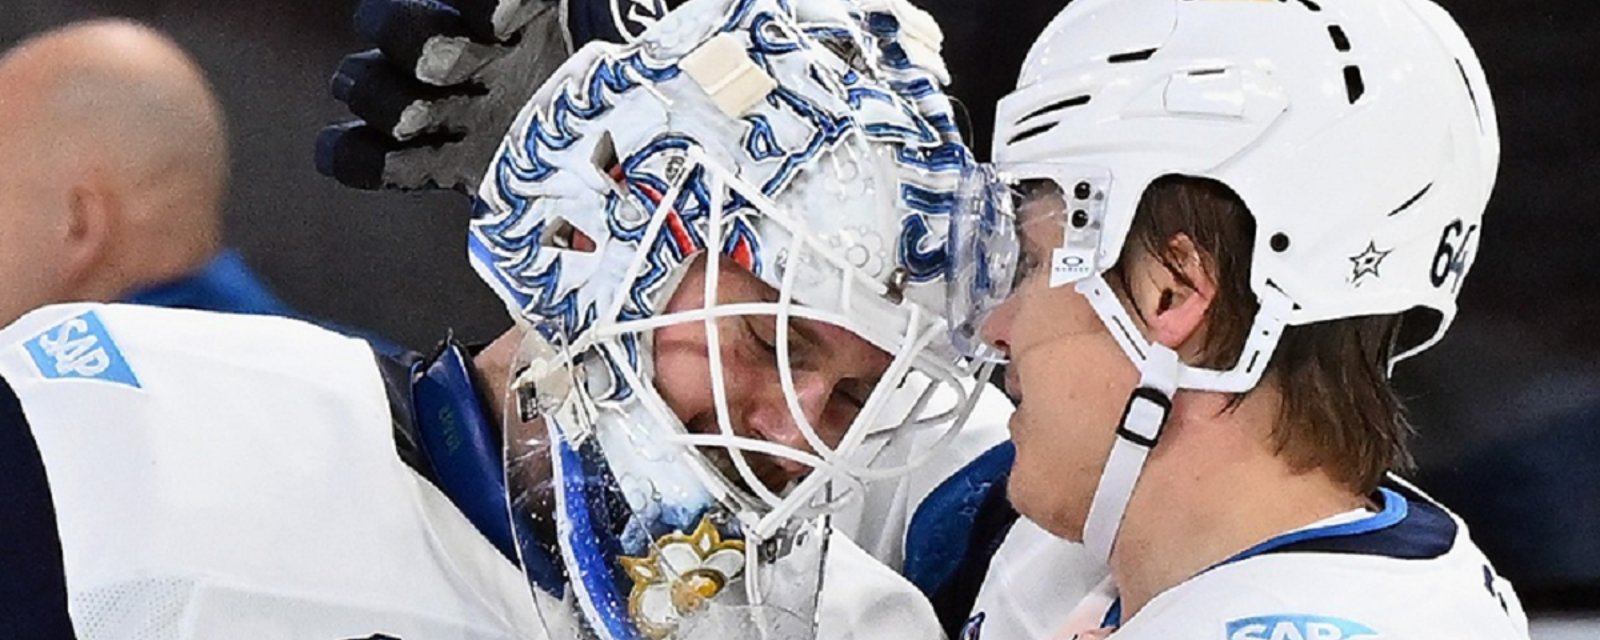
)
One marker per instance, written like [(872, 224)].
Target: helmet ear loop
[(1265, 331)]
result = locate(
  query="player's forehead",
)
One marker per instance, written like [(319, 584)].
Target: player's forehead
[(738, 285), (1040, 206)]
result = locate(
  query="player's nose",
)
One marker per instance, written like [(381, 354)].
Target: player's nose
[(996, 329), (775, 421)]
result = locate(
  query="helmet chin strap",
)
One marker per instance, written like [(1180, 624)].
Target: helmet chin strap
[(1161, 374), (1137, 434)]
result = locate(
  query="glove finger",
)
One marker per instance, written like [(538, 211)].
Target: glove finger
[(431, 167), (404, 30), (385, 98), (449, 61), (428, 39), (363, 157), (354, 154), (498, 20)]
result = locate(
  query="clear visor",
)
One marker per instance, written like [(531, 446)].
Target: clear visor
[(1011, 222)]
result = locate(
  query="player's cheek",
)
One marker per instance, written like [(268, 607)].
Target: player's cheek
[(683, 372)]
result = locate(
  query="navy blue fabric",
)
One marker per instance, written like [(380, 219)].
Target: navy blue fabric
[(402, 28), (590, 20), (376, 92), (1408, 528), (227, 285), (464, 450), (1113, 617), (33, 583), (354, 152), (955, 532)]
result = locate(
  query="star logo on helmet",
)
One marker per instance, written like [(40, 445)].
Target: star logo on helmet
[(1367, 262)]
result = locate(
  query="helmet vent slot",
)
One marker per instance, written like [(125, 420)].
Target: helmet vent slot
[(1075, 101), (1031, 133), (1340, 41), (1308, 4), (1353, 84), (605, 160), (1473, 95), (560, 234), (1131, 56), (1412, 201)]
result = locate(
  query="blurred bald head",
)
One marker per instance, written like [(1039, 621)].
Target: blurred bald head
[(114, 157)]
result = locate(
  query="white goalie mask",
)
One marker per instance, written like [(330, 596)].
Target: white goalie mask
[(800, 143), (1360, 134)]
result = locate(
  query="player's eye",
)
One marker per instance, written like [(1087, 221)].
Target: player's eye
[(854, 392), (762, 331)]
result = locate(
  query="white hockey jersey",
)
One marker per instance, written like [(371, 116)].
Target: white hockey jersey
[(187, 475), (1031, 577), (1407, 572), (222, 476)]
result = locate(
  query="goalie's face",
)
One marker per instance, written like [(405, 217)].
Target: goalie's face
[(834, 371)]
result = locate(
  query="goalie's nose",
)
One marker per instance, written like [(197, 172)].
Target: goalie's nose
[(773, 419)]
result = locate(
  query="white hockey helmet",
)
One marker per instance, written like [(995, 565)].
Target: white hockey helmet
[(1359, 133)]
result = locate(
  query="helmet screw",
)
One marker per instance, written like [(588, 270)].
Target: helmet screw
[(897, 285), (1080, 219), (1081, 191), (1280, 242)]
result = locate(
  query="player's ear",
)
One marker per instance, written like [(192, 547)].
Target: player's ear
[(1172, 293), (93, 217)]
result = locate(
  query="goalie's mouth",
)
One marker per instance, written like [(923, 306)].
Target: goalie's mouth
[(776, 474)]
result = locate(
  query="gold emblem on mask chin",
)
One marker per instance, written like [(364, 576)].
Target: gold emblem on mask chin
[(679, 576)]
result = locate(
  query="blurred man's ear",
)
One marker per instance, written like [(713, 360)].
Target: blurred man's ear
[(93, 215), (1173, 295)]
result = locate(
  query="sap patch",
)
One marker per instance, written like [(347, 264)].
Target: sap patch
[(80, 349)]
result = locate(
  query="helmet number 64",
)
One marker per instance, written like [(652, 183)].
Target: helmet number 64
[(1453, 254)]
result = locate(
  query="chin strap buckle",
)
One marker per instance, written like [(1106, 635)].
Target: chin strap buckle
[(1144, 416), (1143, 420)]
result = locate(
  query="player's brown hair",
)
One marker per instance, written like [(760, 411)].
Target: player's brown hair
[(1340, 413)]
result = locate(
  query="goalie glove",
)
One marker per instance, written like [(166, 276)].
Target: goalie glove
[(439, 91), (447, 78)]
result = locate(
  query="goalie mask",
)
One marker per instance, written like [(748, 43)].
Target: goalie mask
[(795, 146)]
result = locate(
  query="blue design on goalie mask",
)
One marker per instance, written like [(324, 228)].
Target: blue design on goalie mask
[(622, 149)]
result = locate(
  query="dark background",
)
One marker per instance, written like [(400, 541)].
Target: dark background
[(1508, 405)]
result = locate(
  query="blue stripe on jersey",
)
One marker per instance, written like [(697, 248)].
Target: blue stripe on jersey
[(1408, 528), (1113, 617), (33, 586)]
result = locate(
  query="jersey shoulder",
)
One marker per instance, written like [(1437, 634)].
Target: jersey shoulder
[(1410, 571), (149, 349), (211, 475)]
